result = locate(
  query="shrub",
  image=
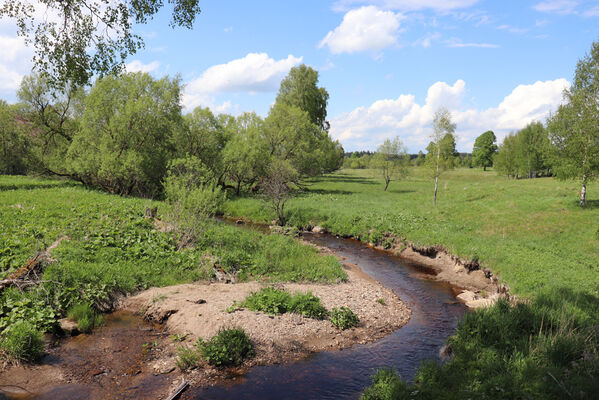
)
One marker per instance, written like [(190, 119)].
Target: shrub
[(87, 318), (343, 318), (228, 347), (386, 385), (308, 305), (23, 342), (187, 358), (269, 300)]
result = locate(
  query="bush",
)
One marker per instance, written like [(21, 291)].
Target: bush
[(343, 318), (23, 342), (386, 385), (308, 305), (86, 317), (187, 358), (268, 300), (228, 347)]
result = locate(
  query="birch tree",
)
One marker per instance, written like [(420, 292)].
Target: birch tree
[(390, 160), (574, 128), (436, 160)]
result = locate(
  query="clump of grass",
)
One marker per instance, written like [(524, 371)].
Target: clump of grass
[(381, 301), (86, 317), (343, 318), (386, 385), (187, 358), (228, 347), (276, 301), (23, 342)]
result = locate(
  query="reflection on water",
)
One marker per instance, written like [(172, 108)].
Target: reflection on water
[(344, 374)]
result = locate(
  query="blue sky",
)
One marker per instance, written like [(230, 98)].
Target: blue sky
[(387, 64)]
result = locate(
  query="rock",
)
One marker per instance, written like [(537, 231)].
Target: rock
[(164, 366), (318, 229), (69, 327), (466, 296)]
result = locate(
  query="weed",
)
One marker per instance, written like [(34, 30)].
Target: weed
[(158, 298), (187, 358), (343, 318), (179, 337), (23, 342), (307, 305), (386, 385), (381, 301), (86, 317), (228, 347), (276, 301)]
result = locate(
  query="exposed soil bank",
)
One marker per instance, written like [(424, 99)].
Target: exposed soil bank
[(199, 310)]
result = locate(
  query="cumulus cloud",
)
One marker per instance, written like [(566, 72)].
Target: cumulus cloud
[(366, 28), (138, 66), (256, 72), (557, 6), (14, 63), (367, 127), (408, 5)]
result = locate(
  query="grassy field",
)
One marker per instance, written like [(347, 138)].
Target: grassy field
[(532, 233), (113, 249)]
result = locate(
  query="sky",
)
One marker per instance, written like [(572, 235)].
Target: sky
[(387, 65)]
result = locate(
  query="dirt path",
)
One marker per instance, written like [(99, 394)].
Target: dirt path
[(199, 310)]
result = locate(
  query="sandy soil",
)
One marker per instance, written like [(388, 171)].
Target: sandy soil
[(199, 310)]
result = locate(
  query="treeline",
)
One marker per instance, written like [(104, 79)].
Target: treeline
[(126, 132), (525, 154)]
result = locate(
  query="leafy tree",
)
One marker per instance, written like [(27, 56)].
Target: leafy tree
[(419, 160), (506, 159), (77, 39), (14, 144), (533, 145), (300, 89), (245, 153), (54, 115), (484, 150), (390, 159), (441, 149), (126, 133), (275, 187)]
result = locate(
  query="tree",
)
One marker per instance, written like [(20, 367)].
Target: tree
[(14, 144), (574, 128), (275, 187), (390, 159), (440, 154), (300, 89), (77, 39), (533, 145), (126, 133), (506, 159), (484, 150)]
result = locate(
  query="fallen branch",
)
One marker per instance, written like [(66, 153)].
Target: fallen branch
[(178, 390)]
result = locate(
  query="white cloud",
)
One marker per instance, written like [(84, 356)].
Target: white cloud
[(14, 63), (557, 6), (366, 28), (367, 127), (592, 12), (256, 72), (138, 66), (512, 29), (407, 5)]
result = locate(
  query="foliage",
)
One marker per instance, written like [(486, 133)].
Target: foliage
[(546, 349), (192, 200), (343, 318), (574, 129), (276, 301), (14, 144), (386, 385), (441, 150), (484, 149), (275, 187), (86, 317), (187, 358), (126, 130), (83, 38), (23, 342), (229, 347), (300, 89), (525, 153), (391, 160), (16, 308)]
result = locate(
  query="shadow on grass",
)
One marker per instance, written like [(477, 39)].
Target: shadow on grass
[(33, 186), (590, 204), (342, 178)]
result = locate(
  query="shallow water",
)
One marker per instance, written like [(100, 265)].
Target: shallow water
[(345, 373)]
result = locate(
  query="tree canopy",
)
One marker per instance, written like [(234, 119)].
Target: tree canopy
[(391, 160), (441, 149), (77, 39), (484, 150)]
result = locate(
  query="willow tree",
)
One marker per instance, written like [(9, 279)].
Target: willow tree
[(574, 128), (437, 158)]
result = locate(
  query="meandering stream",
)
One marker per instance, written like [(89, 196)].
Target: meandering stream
[(344, 374)]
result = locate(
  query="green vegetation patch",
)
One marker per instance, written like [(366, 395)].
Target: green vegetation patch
[(343, 318), (275, 301), (23, 341), (86, 317), (227, 348)]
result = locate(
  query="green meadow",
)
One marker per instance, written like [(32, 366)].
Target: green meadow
[(530, 232)]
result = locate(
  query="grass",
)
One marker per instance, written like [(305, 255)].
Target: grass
[(275, 301), (113, 249), (229, 347), (530, 232), (23, 342), (86, 317)]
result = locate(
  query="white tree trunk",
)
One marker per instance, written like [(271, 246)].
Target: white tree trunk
[(436, 186), (583, 193)]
